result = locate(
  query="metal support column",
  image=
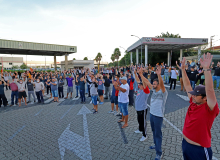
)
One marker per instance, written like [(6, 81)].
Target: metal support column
[(137, 56), (181, 54), (146, 55), (55, 63), (66, 61), (168, 58)]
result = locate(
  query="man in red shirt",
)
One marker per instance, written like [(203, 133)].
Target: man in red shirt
[(200, 116)]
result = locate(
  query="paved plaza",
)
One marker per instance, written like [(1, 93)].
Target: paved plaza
[(68, 130)]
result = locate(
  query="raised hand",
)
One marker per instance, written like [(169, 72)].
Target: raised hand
[(206, 61), (158, 70), (183, 64)]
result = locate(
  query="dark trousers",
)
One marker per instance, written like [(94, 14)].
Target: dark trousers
[(193, 152), (141, 117), (89, 90), (60, 92), (131, 97), (3, 98), (14, 94), (82, 95), (156, 126), (171, 83), (48, 89), (40, 97)]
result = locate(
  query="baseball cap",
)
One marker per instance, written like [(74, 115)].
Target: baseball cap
[(69, 74), (199, 90), (123, 78), (141, 83)]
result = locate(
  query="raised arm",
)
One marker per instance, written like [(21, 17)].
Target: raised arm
[(209, 88), (185, 78), (136, 77), (158, 71), (145, 80), (177, 65)]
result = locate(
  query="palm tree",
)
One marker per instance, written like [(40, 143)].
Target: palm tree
[(98, 59), (117, 53), (113, 58)]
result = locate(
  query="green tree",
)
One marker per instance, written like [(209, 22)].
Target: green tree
[(85, 58), (117, 53), (15, 67), (169, 35), (98, 58), (74, 58), (23, 66), (113, 58)]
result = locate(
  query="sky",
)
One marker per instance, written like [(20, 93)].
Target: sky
[(103, 25)]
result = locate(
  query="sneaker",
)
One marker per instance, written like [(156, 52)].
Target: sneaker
[(76, 96), (137, 131), (95, 112), (118, 114), (143, 138), (152, 147), (157, 157), (101, 103), (111, 112)]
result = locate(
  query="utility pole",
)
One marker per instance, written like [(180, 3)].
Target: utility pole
[(211, 38)]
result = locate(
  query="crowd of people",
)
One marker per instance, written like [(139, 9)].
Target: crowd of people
[(128, 82)]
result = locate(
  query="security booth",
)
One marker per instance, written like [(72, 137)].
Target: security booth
[(166, 45)]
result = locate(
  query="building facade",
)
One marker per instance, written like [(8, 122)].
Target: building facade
[(9, 62), (77, 64)]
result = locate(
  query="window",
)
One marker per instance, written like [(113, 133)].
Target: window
[(10, 63), (0, 63)]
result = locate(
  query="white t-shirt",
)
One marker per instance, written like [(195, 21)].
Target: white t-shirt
[(123, 97), (173, 74)]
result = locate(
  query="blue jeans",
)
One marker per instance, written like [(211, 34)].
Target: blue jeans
[(193, 84), (94, 99), (123, 108), (87, 91), (77, 90), (217, 78), (82, 95), (166, 78), (14, 94), (156, 126), (40, 97)]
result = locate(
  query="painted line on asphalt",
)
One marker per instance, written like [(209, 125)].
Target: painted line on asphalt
[(66, 113), (178, 130), (123, 134), (38, 112), (19, 130), (49, 100), (186, 98)]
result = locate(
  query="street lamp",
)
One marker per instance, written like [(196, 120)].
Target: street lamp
[(125, 53), (141, 47)]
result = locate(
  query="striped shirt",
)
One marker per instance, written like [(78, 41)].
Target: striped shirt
[(158, 101)]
